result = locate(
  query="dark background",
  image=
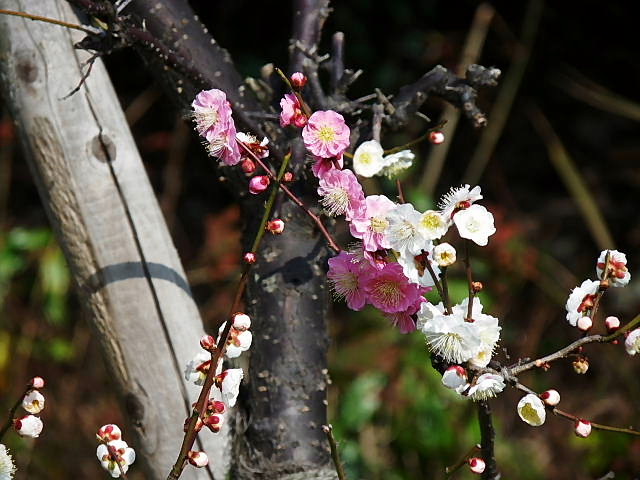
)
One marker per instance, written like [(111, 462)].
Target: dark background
[(391, 415)]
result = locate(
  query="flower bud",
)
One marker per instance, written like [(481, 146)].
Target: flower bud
[(455, 378), (198, 459), (550, 397), (300, 120), (33, 402), (241, 321), (584, 323), (259, 184), (476, 465), (436, 137), (477, 286), (208, 342), (250, 258), (275, 226), (581, 365), (214, 422), (248, 166), (36, 382), (109, 432), (298, 80), (612, 323), (288, 177), (531, 410), (583, 428), (444, 255), (28, 426), (199, 424)]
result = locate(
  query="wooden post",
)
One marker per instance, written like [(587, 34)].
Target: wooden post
[(101, 205)]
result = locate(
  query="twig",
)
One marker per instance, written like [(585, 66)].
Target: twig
[(335, 454), (487, 436), (52, 21), (436, 281), (506, 96), (449, 471), (469, 271), (12, 412)]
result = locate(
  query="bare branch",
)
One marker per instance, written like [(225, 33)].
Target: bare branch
[(488, 436)]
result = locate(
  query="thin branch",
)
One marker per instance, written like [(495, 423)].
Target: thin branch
[(449, 471), (337, 60), (9, 423), (487, 436), (52, 21), (335, 454)]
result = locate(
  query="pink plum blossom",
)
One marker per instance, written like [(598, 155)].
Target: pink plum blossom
[(326, 134), (324, 165), (405, 320), (341, 193), (291, 113), (345, 273), (389, 290), (372, 224), (212, 114)]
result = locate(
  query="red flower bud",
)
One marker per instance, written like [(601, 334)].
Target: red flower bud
[(275, 226), (259, 184)]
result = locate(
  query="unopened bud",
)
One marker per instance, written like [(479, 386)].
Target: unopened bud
[(259, 184), (275, 226), (436, 137), (583, 428), (477, 286), (248, 166), (198, 459), (550, 397), (241, 321), (476, 465), (455, 378), (28, 426), (584, 323), (208, 342), (612, 323), (288, 177), (581, 365), (300, 120), (250, 258), (108, 433), (37, 382), (298, 80), (214, 422)]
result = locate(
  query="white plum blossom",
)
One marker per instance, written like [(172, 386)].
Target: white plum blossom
[(475, 223), (395, 163), (7, 468), (455, 378), (632, 342), (532, 410), (197, 368), (368, 158), (404, 233), (487, 331), (444, 254), (33, 402), (619, 276), (229, 384), (28, 426), (124, 455), (433, 225), (458, 198), (581, 300), (414, 268), (239, 340), (486, 386), (448, 336)]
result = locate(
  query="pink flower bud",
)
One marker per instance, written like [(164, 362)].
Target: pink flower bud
[(259, 184), (241, 321), (248, 166), (219, 407), (436, 137), (584, 323), (583, 428), (214, 422), (550, 397), (109, 432), (298, 80), (208, 342), (275, 226), (28, 426), (198, 459), (476, 465), (612, 323), (288, 177), (250, 258), (300, 120), (36, 382)]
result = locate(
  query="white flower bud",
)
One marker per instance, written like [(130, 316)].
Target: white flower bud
[(455, 378), (612, 323), (476, 465), (550, 397), (444, 255), (108, 433), (531, 410), (584, 323), (241, 321), (28, 426), (583, 428), (37, 382), (33, 402), (198, 459)]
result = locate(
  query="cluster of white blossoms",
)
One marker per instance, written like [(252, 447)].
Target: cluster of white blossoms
[(33, 403), (226, 384), (114, 454)]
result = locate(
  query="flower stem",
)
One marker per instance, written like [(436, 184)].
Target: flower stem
[(12, 412), (335, 454), (53, 21)]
